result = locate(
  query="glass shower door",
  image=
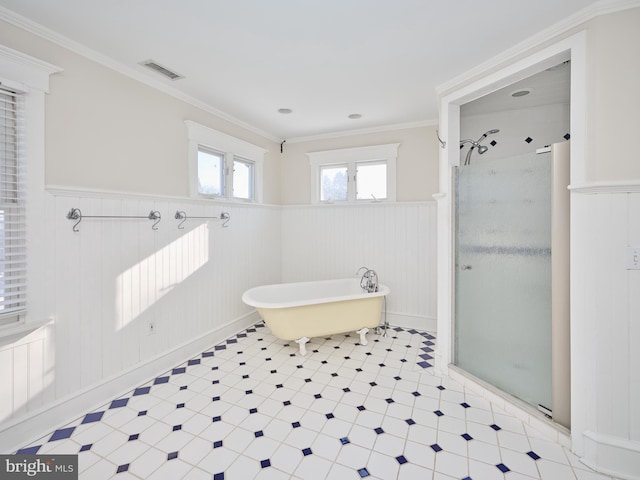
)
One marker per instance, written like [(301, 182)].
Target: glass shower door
[(503, 274)]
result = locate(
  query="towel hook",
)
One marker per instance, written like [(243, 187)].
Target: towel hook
[(443, 144), (75, 214), (155, 215), (226, 217), (181, 215)]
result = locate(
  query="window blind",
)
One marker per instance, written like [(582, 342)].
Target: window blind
[(13, 260)]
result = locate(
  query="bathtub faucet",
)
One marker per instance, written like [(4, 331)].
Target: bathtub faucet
[(369, 280)]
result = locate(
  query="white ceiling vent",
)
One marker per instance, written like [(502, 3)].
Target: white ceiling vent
[(162, 70)]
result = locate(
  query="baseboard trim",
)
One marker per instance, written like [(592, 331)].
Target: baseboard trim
[(29, 428), (418, 322), (615, 456)]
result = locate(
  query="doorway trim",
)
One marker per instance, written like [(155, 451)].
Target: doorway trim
[(519, 66)]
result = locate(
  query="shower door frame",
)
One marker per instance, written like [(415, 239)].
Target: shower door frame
[(573, 48)]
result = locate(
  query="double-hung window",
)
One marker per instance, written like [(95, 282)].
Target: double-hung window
[(12, 211), (223, 167), (354, 174)]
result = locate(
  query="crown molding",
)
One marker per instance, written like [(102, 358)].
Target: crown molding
[(364, 131), (597, 9), (75, 47)]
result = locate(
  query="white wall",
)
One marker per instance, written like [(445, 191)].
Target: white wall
[(416, 166), (397, 240), (108, 281), (606, 327)]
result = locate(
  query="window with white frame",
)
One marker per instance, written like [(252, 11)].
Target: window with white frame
[(12, 210), (223, 167), (352, 175)]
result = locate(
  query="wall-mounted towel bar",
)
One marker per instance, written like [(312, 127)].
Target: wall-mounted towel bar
[(181, 215), (76, 214)]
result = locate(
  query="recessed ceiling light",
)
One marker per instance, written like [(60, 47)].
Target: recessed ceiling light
[(285, 111), (355, 116), (522, 92)]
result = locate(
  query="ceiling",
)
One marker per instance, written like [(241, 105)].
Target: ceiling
[(324, 60)]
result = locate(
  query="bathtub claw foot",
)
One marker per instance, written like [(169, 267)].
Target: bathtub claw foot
[(363, 335), (303, 345)]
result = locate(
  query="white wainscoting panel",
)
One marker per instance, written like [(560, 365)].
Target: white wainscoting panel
[(397, 240), (116, 278), (605, 330)]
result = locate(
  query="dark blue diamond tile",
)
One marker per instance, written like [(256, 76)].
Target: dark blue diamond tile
[(122, 402), (416, 394), (330, 416), (397, 378), (363, 472), (62, 434), (177, 427), (217, 444), (307, 451), (215, 399), (215, 382), (245, 376), (258, 434), (242, 335), (381, 365), (533, 455), (426, 356), (503, 468), (286, 403), (410, 421), (141, 391), (438, 413), (361, 408), (466, 436), (401, 459), (160, 380), (566, 136), (427, 349), (308, 380), (440, 387), (424, 364), (123, 468), (389, 400), (465, 405), (92, 417), (231, 340), (495, 427), (134, 437), (436, 448), (248, 392), (142, 413), (183, 387), (207, 354), (253, 410), (295, 424), (528, 139), (265, 463), (86, 447), (346, 390), (344, 440), (195, 361), (172, 455), (279, 385), (220, 347), (217, 418), (317, 396), (178, 371), (29, 450), (412, 331), (378, 430), (180, 405)]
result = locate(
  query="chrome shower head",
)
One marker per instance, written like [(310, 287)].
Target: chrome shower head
[(476, 144), (482, 149)]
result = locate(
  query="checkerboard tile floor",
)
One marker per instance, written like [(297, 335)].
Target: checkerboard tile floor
[(252, 408)]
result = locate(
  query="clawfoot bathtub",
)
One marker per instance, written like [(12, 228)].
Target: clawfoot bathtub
[(300, 311)]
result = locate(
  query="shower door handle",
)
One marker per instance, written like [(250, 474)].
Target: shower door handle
[(465, 267)]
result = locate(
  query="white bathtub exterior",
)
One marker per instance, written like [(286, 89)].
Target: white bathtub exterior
[(313, 309)]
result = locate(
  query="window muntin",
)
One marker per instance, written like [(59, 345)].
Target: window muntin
[(371, 181), (373, 163), (12, 212), (243, 179), (334, 183), (221, 154), (210, 172)]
